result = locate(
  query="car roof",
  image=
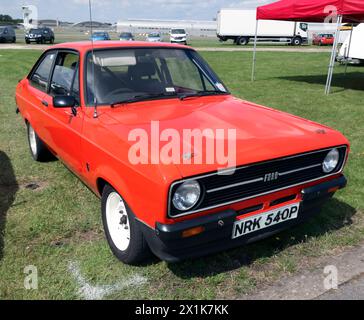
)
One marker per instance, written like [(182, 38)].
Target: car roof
[(84, 46)]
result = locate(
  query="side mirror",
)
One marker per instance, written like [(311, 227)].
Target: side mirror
[(65, 102)]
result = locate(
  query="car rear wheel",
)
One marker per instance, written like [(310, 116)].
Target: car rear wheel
[(38, 149), (51, 41), (122, 231), (13, 40)]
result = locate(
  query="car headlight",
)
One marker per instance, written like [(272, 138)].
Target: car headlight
[(331, 161), (187, 195)]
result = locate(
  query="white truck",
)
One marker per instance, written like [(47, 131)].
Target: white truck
[(353, 51), (239, 25)]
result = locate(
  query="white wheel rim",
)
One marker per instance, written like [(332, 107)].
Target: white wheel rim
[(117, 221), (32, 140)]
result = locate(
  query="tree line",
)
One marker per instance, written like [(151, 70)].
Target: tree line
[(6, 19)]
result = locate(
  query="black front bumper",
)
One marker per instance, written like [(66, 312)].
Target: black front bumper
[(166, 241)]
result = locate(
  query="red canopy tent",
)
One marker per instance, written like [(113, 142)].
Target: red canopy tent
[(312, 11)]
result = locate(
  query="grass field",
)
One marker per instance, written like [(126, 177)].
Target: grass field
[(49, 219)]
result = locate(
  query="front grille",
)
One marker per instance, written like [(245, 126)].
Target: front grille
[(258, 179)]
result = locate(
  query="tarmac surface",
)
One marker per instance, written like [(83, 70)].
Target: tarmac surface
[(336, 277)]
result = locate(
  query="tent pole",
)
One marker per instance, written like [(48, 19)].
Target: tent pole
[(348, 53), (255, 50), (333, 55)]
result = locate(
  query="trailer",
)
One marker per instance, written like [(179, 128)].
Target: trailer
[(352, 50), (239, 25)]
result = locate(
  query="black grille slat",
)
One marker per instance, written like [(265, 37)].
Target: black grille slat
[(250, 190), (258, 171)]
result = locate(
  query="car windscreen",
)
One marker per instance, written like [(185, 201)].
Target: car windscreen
[(178, 31), (114, 75), (99, 34), (154, 35), (126, 35), (35, 31)]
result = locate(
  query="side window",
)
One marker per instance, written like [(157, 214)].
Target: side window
[(65, 80), (41, 75)]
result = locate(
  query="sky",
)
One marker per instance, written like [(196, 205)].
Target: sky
[(115, 10)]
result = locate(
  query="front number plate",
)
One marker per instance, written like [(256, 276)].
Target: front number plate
[(265, 220)]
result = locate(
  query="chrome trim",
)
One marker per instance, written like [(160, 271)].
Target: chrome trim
[(302, 169), (261, 179), (235, 185), (257, 195)]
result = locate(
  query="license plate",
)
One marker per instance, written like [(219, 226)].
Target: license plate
[(265, 220)]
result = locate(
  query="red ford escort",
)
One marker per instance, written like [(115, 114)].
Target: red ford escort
[(91, 104)]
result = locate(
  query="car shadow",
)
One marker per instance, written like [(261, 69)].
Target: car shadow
[(334, 216), (349, 81), (8, 190)]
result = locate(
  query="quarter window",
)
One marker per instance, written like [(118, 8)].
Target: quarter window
[(40, 77)]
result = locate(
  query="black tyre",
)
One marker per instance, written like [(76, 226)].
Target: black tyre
[(122, 231), (27, 41), (38, 149), (297, 41), (242, 41), (51, 41), (13, 40)]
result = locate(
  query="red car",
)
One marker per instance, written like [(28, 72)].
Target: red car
[(323, 40), (93, 106)]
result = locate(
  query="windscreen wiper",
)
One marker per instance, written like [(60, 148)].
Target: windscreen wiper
[(201, 94), (141, 97)]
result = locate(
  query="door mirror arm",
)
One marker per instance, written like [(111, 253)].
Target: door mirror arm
[(66, 102)]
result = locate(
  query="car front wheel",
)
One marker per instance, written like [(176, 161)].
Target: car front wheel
[(122, 231), (38, 149)]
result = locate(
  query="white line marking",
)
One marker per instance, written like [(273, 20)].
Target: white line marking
[(90, 292)]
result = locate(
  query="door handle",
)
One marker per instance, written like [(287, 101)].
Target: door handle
[(44, 103)]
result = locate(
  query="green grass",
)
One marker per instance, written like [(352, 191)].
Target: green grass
[(60, 221)]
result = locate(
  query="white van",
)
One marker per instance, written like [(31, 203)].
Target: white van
[(178, 36), (353, 52)]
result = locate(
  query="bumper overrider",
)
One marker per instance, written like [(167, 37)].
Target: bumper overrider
[(167, 242)]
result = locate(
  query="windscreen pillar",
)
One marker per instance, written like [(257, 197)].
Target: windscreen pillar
[(255, 50), (333, 55)]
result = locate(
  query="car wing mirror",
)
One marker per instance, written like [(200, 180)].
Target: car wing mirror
[(63, 102)]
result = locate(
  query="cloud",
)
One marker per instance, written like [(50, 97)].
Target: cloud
[(114, 10)]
